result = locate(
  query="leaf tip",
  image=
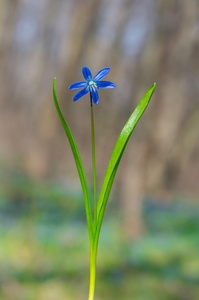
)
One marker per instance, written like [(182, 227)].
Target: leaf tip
[(153, 87), (54, 84)]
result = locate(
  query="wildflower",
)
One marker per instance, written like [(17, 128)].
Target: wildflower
[(91, 85)]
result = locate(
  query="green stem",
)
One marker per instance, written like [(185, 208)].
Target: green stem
[(93, 245), (93, 256), (93, 156)]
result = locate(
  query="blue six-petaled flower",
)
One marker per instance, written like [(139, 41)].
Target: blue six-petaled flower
[(91, 85)]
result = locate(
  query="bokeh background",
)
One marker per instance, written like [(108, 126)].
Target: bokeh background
[(149, 244)]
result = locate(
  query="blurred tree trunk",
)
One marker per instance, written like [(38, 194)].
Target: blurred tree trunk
[(132, 191), (173, 136), (142, 42)]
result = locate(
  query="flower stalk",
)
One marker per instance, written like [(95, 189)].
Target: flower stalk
[(93, 249), (93, 159), (93, 258)]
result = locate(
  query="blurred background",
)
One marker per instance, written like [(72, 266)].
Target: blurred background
[(149, 243)]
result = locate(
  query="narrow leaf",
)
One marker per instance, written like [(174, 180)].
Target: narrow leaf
[(117, 154), (78, 162)]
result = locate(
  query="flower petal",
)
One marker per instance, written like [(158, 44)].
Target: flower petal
[(81, 93), (95, 96), (87, 73), (105, 85), (78, 85), (101, 74)]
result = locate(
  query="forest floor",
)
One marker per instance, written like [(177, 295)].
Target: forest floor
[(44, 250)]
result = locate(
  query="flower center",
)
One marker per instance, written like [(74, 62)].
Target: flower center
[(91, 83)]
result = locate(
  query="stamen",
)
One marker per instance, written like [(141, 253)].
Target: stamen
[(91, 83)]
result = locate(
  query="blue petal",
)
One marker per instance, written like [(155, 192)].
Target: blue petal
[(95, 95), (87, 73), (105, 85), (101, 74), (78, 85), (81, 93)]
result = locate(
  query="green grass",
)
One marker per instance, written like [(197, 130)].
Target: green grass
[(44, 248)]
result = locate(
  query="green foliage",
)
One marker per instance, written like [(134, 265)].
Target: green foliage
[(114, 161), (99, 208)]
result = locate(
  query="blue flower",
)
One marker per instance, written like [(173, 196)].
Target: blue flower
[(91, 85)]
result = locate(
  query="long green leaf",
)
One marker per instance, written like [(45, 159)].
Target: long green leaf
[(117, 155), (78, 162)]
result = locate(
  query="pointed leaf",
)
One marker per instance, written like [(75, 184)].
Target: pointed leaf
[(117, 155), (78, 162)]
